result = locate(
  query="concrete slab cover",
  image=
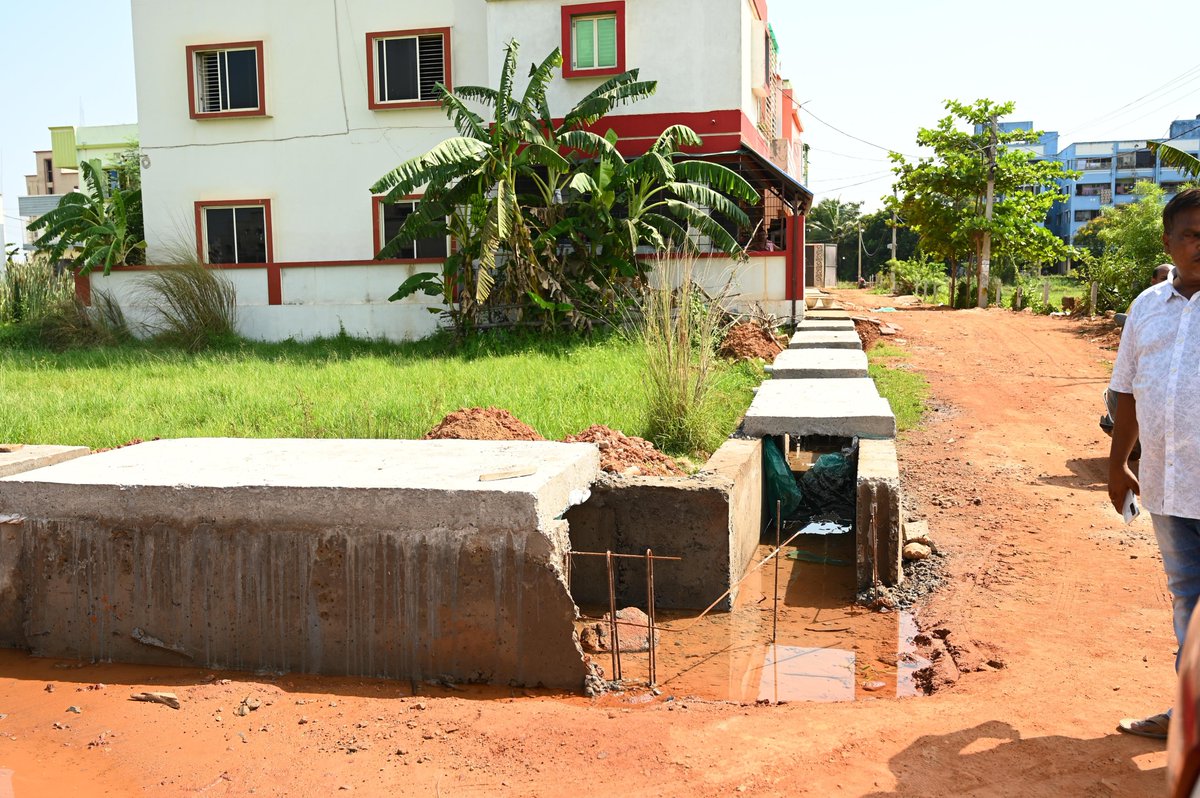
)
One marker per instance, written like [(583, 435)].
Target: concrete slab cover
[(826, 324), (825, 339), (879, 539), (826, 313), (37, 456), (792, 364), (357, 557), (845, 407)]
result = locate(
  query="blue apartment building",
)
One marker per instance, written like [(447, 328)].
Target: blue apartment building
[(1108, 171)]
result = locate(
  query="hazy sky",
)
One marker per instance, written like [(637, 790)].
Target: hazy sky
[(875, 70)]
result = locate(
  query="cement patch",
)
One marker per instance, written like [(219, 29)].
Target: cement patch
[(879, 539), (364, 557), (792, 364), (34, 456), (843, 407), (825, 339)]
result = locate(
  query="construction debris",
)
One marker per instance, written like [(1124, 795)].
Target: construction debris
[(166, 699)]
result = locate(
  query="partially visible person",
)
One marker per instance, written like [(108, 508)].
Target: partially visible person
[(1157, 382), (1161, 272)]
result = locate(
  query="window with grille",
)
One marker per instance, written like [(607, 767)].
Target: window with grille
[(392, 216), (593, 39), (235, 234), (226, 80), (407, 66)]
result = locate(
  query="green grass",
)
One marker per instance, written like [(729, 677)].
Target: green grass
[(334, 388), (905, 390)]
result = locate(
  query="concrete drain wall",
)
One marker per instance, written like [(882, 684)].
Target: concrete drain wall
[(366, 557), (712, 519)]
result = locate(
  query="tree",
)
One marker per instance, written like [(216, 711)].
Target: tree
[(1130, 237), (832, 221), (103, 226), (540, 211), (1175, 158), (942, 196)]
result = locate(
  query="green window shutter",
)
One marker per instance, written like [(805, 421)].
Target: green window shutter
[(585, 44), (606, 42)]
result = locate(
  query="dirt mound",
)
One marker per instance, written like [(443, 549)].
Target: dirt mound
[(619, 453), (749, 340), (479, 424), (868, 332)]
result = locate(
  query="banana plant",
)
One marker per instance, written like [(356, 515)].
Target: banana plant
[(102, 226), (1175, 158)]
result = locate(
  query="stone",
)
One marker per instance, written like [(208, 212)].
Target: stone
[(914, 530), (632, 631), (916, 551)]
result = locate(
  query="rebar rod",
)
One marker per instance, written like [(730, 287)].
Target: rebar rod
[(622, 556), (614, 637), (652, 662), (775, 604)]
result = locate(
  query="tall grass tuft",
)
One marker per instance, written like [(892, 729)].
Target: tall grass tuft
[(73, 324), (33, 289), (191, 307), (680, 328)]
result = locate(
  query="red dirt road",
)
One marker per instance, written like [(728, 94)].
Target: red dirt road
[(1041, 571)]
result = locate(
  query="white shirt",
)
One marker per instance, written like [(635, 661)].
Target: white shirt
[(1159, 363)]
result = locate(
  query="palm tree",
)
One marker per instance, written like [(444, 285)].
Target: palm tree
[(1175, 158), (831, 220), (102, 226)]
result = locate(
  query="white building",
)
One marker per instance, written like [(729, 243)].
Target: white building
[(263, 124)]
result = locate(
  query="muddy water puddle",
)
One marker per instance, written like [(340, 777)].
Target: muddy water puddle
[(825, 648)]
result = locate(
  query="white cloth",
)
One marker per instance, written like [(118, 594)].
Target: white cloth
[(1159, 363)]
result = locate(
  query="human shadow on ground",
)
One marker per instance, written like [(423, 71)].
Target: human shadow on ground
[(1087, 473), (993, 759)]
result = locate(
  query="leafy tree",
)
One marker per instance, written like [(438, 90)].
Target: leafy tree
[(832, 221), (102, 226), (942, 196), (1175, 158), (1130, 236)]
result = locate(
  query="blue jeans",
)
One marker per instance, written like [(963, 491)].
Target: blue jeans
[(1179, 542)]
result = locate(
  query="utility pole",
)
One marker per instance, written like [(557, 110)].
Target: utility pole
[(895, 257), (860, 252), (985, 258)]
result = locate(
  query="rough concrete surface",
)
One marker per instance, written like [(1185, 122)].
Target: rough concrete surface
[(826, 313), (826, 324), (34, 456), (844, 407), (879, 538), (713, 520), (363, 557), (825, 339), (792, 364)]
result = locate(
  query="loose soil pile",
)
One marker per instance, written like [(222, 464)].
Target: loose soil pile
[(748, 340), (479, 424), (620, 453)]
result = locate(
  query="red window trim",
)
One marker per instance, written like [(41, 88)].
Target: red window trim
[(373, 102), (616, 7), (192, 49), (377, 232), (201, 205)]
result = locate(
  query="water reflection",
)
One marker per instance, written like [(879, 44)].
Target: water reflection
[(795, 673)]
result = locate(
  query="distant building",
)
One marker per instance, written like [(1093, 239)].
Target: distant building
[(1108, 172), (57, 169)]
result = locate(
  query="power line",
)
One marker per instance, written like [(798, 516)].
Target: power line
[(852, 185), (852, 136), (1132, 103), (844, 155), (876, 173)]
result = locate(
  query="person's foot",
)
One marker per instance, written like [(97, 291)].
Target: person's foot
[(1154, 726)]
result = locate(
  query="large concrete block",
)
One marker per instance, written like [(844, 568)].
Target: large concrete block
[(795, 364), (826, 324), (34, 456), (842, 407), (713, 520), (357, 557), (879, 539), (815, 314), (825, 339)]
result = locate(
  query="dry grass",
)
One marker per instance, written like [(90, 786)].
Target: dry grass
[(192, 307)]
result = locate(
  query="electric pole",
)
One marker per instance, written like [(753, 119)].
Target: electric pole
[(985, 257), (860, 252)]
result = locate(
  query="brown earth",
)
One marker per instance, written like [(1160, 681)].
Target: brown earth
[(1009, 470), (747, 340), (483, 424), (620, 452), (868, 333)]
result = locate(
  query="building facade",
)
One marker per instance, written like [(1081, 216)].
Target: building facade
[(1108, 171), (263, 125)]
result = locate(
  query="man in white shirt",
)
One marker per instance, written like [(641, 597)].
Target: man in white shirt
[(1157, 382)]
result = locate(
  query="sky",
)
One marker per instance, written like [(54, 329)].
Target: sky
[(867, 73)]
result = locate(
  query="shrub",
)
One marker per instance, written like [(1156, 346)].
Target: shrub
[(922, 277), (680, 328), (33, 289), (192, 307), (73, 324)]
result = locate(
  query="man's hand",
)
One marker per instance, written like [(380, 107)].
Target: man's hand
[(1125, 434)]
